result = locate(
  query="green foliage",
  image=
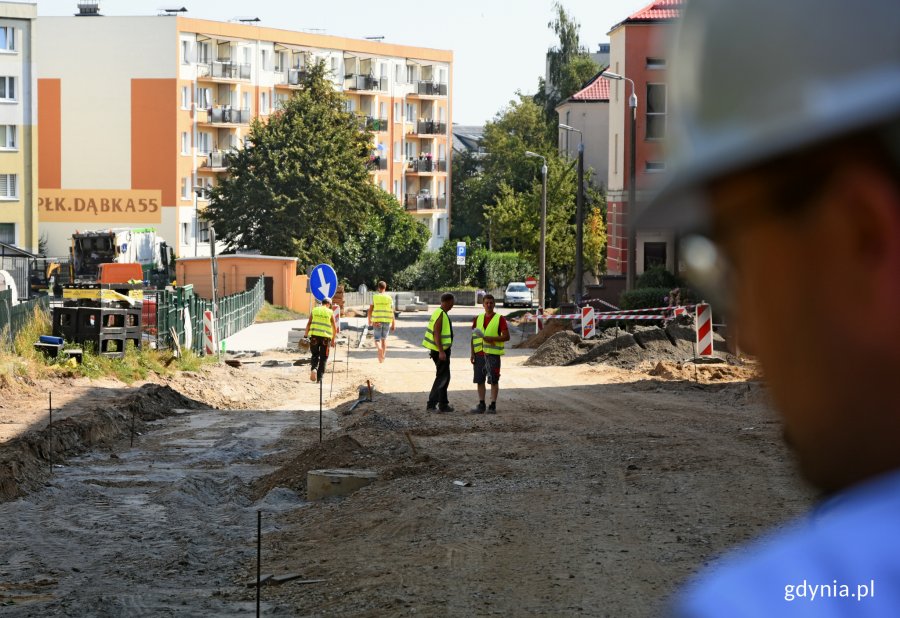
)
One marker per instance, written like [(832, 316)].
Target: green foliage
[(301, 188), (657, 277), (389, 240), (499, 268), (644, 298), (273, 313)]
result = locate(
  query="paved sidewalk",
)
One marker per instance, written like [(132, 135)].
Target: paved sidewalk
[(262, 337)]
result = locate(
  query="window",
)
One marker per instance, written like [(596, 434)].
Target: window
[(245, 52), (280, 61), (185, 188), (398, 112), (8, 233), (397, 151), (204, 98), (9, 186), (410, 150), (410, 112), (383, 186), (383, 69), (203, 53), (655, 166), (382, 111), (264, 59), (185, 232), (334, 66), (7, 88), (656, 63), (656, 111), (185, 52), (410, 73), (397, 70), (7, 38), (204, 231), (185, 97), (185, 143), (439, 228), (8, 137), (264, 102), (245, 100), (203, 142), (397, 187), (654, 254)]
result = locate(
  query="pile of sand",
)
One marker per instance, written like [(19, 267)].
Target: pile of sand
[(550, 328), (673, 344)]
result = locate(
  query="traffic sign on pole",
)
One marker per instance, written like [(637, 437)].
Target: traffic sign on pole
[(323, 281), (530, 283), (461, 253)]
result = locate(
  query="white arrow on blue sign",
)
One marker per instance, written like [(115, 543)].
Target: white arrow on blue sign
[(323, 281)]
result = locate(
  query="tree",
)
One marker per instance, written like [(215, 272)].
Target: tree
[(595, 239), (300, 188), (569, 67)]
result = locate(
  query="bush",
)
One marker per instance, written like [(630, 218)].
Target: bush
[(644, 298), (657, 277)]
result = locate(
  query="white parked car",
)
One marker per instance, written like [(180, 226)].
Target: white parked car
[(518, 295)]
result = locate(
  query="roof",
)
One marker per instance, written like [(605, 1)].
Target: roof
[(656, 11), (596, 90), (7, 250), (227, 256), (467, 137)]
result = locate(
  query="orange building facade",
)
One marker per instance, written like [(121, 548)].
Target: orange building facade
[(140, 114)]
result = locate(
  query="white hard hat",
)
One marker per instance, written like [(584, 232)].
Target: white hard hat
[(751, 81)]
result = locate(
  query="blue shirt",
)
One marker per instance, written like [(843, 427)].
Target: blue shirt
[(843, 559)]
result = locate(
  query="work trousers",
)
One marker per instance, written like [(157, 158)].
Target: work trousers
[(319, 347), (438, 395)]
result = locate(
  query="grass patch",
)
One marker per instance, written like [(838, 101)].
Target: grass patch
[(272, 313), (19, 358)]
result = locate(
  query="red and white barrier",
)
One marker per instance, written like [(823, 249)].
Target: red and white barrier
[(587, 322), (209, 343), (614, 317), (337, 319), (704, 330)]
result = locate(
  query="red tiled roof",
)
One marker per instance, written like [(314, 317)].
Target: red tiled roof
[(658, 10), (597, 90)]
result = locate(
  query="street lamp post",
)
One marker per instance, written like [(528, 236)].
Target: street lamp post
[(579, 216), (542, 285), (632, 206)]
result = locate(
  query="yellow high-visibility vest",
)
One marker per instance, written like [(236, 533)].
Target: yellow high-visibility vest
[(383, 309), (492, 330), (446, 332), (321, 323)]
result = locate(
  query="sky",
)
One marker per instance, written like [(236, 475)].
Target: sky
[(498, 46)]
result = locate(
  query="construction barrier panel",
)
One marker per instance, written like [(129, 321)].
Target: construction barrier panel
[(704, 330)]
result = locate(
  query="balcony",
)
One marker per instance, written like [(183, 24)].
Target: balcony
[(224, 70), (423, 201), (430, 89), (377, 163), (355, 81), (292, 78), (224, 115), (374, 124), (218, 160), (430, 127), (426, 165)]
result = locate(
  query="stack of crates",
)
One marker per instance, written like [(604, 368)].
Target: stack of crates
[(108, 324)]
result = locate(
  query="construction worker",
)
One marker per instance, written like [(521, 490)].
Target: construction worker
[(489, 336), (381, 318), (786, 178), (320, 328), (439, 340)]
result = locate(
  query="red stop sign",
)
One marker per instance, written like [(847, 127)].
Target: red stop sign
[(530, 283)]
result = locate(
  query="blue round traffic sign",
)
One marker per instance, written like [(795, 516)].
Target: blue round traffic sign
[(323, 281)]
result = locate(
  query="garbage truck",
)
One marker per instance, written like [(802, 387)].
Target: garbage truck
[(142, 246)]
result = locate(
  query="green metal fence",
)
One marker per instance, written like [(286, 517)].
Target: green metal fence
[(14, 318), (178, 310)]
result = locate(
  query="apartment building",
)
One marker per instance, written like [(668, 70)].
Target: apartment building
[(18, 134), (140, 115), (638, 52)]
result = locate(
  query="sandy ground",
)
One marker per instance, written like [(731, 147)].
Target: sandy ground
[(596, 490)]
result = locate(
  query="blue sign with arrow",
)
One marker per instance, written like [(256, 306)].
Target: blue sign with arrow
[(323, 281)]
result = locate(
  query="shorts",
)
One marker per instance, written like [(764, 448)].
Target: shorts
[(380, 330), (487, 369)]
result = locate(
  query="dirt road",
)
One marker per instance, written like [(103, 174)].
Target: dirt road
[(594, 491)]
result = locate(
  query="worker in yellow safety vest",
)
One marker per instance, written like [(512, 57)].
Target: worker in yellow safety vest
[(439, 340), (320, 329), (490, 332), (381, 318)]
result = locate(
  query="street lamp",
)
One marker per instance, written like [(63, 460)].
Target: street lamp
[(632, 207), (579, 216), (542, 285)]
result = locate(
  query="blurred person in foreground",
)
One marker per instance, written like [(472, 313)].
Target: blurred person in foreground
[(786, 157)]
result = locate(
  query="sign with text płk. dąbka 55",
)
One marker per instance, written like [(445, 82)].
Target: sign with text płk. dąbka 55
[(461, 253), (91, 206)]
